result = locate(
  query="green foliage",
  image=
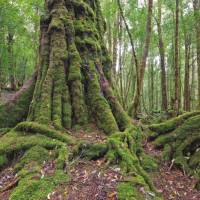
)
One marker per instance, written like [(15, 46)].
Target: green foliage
[(21, 19)]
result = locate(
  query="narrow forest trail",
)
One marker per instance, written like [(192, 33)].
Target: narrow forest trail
[(169, 180)]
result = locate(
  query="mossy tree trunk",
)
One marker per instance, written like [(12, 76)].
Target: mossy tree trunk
[(72, 90), (75, 69)]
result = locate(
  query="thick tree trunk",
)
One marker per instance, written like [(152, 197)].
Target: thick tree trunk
[(162, 60), (67, 91)]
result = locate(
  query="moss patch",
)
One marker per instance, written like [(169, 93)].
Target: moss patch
[(37, 188)]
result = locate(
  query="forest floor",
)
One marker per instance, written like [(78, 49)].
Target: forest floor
[(95, 180)]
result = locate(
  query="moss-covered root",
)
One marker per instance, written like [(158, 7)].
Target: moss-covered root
[(172, 124), (182, 144), (33, 145), (34, 127), (34, 184), (124, 149)]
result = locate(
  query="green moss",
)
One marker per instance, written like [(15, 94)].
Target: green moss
[(62, 158), (56, 24), (182, 142), (126, 191), (91, 151), (100, 109), (3, 160), (3, 131), (38, 188), (194, 161), (148, 163), (35, 154), (135, 189), (26, 138), (16, 111), (82, 8), (33, 127), (123, 148), (172, 124), (164, 139)]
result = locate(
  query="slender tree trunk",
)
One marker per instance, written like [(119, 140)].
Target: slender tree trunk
[(11, 61), (176, 63), (115, 43), (142, 65), (152, 85), (187, 73), (192, 87), (120, 59), (162, 59), (196, 4)]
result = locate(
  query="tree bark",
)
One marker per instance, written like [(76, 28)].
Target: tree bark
[(176, 63), (162, 59), (115, 43), (11, 61), (187, 73), (142, 65)]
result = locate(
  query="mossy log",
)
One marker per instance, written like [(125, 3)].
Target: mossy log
[(180, 140), (73, 88)]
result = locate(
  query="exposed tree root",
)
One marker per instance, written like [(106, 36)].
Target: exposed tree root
[(31, 145), (180, 139), (31, 149)]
